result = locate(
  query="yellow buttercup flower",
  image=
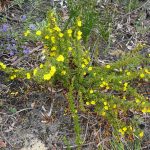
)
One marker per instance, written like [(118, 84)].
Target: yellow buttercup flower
[(69, 31), (87, 103), (108, 66), (70, 48), (142, 75), (53, 39), (93, 102), (53, 48), (91, 91), (28, 75), (57, 29), (27, 33), (106, 107), (13, 77), (124, 129), (41, 66), (60, 58), (53, 54), (79, 23), (105, 103), (79, 37), (103, 113), (38, 32), (35, 71), (61, 35), (47, 76), (128, 73), (90, 69), (79, 33), (2, 65), (63, 72), (141, 134), (46, 37)]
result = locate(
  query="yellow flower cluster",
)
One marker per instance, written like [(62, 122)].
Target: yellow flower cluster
[(104, 84), (90, 103), (2, 65), (79, 35), (12, 77), (146, 110), (50, 74), (123, 130), (69, 31), (106, 106)]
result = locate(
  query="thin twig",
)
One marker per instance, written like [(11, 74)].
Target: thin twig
[(21, 58)]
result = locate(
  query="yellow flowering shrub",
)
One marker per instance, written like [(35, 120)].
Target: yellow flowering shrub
[(109, 89)]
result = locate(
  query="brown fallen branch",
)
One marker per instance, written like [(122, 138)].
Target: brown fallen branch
[(21, 58)]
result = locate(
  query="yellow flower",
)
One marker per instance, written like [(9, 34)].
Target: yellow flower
[(106, 107), (69, 31), (34, 71), (114, 106), (63, 72), (53, 48), (141, 134), (70, 48), (41, 66), (52, 53), (93, 102), (53, 70), (46, 37), (124, 129), (47, 76), (103, 113), (90, 69), (85, 61), (61, 35), (57, 29), (79, 23), (28, 75), (125, 84), (142, 75), (107, 87), (108, 66), (91, 91), (79, 33), (105, 103), (27, 33), (144, 110), (146, 71), (53, 39), (137, 100), (84, 73), (87, 103), (3, 66), (121, 131), (128, 73), (13, 77), (38, 32), (60, 58), (83, 65), (79, 37)]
